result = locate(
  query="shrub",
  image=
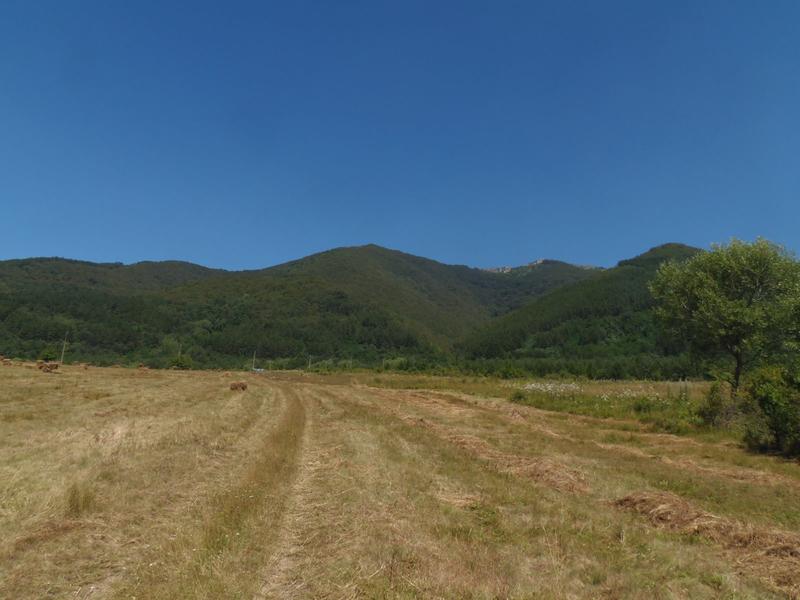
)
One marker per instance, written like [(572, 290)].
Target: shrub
[(517, 396), (48, 354), (776, 424), (642, 405), (183, 361), (716, 410), (757, 435)]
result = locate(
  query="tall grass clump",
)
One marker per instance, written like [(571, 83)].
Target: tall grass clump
[(79, 499)]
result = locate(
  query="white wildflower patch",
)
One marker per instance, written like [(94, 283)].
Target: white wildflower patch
[(553, 388)]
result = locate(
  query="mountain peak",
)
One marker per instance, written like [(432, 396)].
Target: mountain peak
[(661, 253), (536, 264)]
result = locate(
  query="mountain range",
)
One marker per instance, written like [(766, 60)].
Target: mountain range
[(366, 304)]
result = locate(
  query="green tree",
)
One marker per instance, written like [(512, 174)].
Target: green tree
[(740, 300)]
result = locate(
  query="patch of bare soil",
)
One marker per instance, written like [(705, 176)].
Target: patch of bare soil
[(772, 554)]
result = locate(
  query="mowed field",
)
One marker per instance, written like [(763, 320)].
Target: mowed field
[(118, 483)]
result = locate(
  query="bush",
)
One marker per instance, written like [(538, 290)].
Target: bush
[(775, 425), (48, 354), (757, 435), (517, 396), (716, 409), (182, 362)]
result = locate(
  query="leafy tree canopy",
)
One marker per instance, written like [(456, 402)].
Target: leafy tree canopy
[(741, 300)]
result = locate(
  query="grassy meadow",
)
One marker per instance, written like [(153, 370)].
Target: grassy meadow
[(125, 483)]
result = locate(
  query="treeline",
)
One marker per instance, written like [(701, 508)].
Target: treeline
[(106, 328), (639, 367)]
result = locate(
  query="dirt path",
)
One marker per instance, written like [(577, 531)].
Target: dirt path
[(300, 502)]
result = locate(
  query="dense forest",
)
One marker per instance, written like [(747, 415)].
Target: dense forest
[(361, 306), (602, 327)]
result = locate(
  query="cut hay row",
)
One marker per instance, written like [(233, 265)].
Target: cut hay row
[(542, 470), (457, 403), (546, 471), (773, 554)]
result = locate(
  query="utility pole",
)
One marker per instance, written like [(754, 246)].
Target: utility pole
[(254, 360), (64, 347)]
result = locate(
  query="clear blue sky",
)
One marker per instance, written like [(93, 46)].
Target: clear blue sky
[(244, 134)]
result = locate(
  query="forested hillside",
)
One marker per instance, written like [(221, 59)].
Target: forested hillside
[(600, 327), (113, 277), (364, 303)]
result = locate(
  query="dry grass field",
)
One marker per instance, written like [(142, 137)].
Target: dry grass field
[(118, 483)]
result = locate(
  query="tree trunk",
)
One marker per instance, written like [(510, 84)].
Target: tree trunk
[(737, 374)]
